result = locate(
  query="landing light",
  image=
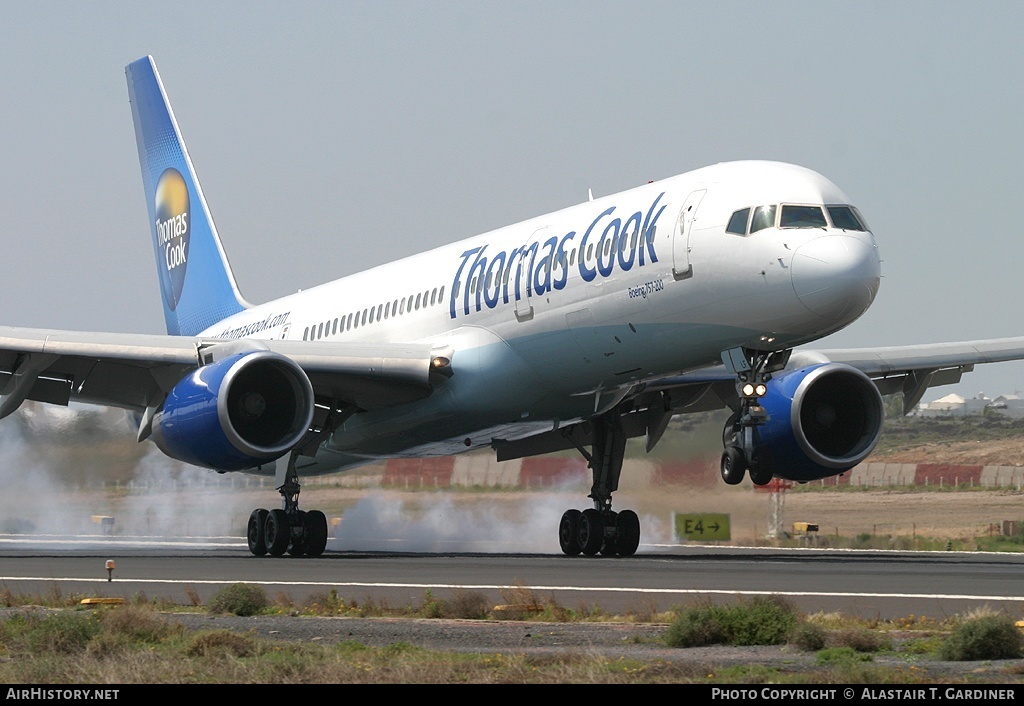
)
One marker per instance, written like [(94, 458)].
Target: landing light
[(442, 365), (751, 390)]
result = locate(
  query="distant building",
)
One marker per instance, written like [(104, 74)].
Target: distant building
[(954, 405), (1009, 405)]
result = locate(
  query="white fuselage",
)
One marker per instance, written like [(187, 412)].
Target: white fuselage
[(555, 319)]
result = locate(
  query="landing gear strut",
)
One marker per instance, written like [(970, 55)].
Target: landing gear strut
[(753, 370), (600, 529)]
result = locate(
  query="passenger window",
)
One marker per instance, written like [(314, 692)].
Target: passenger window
[(305, 334), (335, 327), (380, 308), (738, 222), (764, 217), (440, 294), (363, 322), (320, 331), (433, 294), (419, 295), (802, 217)]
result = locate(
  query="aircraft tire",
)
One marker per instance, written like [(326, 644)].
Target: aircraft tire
[(759, 476), (277, 532), (569, 532), (627, 530), (591, 534), (255, 532), (315, 525), (734, 465)]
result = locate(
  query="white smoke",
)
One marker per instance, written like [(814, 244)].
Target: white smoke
[(62, 474), (525, 522)]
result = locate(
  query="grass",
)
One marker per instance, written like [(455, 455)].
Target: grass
[(47, 640)]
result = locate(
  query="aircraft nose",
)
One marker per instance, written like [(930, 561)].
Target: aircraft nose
[(836, 276)]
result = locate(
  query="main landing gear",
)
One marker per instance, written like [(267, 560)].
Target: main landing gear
[(290, 529), (599, 529)]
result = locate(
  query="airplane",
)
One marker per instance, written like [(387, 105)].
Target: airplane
[(578, 329)]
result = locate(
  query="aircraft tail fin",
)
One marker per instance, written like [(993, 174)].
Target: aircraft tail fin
[(195, 278)]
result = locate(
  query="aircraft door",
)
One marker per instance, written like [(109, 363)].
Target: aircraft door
[(522, 275), (681, 267)]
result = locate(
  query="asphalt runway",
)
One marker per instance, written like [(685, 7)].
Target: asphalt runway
[(870, 584)]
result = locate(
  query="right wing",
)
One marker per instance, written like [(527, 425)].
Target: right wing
[(137, 371)]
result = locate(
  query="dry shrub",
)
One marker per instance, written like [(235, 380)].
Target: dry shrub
[(220, 643), (194, 599), (239, 598), (860, 640), (469, 605), (137, 624)]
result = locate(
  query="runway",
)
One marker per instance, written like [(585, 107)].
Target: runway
[(871, 584)]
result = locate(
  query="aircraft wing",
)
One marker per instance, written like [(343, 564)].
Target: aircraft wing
[(136, 371), (909, 370)]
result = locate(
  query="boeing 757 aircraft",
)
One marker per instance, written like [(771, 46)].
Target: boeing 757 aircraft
[(577, 329)]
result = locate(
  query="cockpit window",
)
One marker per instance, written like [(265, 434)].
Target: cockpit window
[(738, 222), (764, 217), (802, 217), (845, 217)]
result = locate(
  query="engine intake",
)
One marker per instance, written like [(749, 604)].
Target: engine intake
[(240, 412), (822, 420)]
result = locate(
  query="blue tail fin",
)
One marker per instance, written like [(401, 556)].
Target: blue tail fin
[(195, 278)]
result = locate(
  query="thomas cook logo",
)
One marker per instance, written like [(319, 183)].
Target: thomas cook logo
[(172, 234)]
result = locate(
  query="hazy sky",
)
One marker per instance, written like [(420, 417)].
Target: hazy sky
[(330, 137)]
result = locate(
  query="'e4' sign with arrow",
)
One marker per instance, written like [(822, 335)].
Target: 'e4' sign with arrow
[(705, 527)]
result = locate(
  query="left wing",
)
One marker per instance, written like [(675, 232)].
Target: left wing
[(909, 370)]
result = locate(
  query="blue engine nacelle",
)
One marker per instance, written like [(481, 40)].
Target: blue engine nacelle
[(822, 421), (240, 412)]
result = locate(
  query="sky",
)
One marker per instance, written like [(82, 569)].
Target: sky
[(331, 137)]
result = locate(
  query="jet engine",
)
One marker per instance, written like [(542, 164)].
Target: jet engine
[(239, 412), (822, 421)]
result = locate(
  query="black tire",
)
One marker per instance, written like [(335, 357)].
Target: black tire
[(277, 532), (759, 475), (569, 532), (734, 465), (627, 530), (255, 532), (591, 534), (315, 525)]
